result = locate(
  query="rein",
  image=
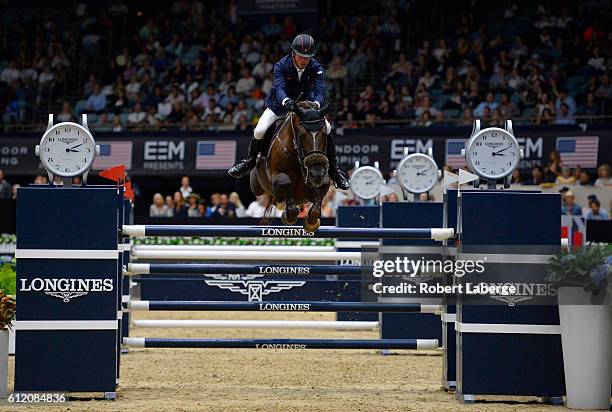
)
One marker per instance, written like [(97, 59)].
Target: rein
[(284, 149), (301, 157)]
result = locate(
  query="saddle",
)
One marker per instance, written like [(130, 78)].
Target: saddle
[(269, 136)]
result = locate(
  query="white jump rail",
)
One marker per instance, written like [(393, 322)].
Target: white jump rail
[(254, 324), (243, 255), (246, 248)]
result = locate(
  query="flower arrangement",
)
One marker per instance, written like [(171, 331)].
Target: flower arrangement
[(589, 267), (8, 278), (7, 242), (8, 307), (8, 286), (196, 240), (7, 238)]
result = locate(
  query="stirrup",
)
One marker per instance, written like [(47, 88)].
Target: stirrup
[(340, 180), (241, 168)]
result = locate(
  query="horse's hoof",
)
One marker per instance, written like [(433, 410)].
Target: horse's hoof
[(311, 227), (286, 220)]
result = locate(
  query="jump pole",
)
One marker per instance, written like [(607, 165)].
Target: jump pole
[(244, 269), (283, 343), (286, 232), (244, 248), (306, 306), (254, 324), (186, 255)]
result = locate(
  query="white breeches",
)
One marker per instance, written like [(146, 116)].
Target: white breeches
[(267, 119)]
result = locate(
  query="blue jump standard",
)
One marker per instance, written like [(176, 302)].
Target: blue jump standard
[(283, 343), (196, 268), (285, 232), (312, 306)]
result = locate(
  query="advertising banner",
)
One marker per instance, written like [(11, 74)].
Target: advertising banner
[(212, 153)]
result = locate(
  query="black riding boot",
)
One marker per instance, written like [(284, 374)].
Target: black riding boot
[(340, 180), (243, 167)]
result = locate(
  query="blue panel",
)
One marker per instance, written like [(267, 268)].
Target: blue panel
[(357, 216), (34, 304), (196, 289), (55, 361), (452, 201), (411, 214), (67, 289), (411, 326), (511, 218), (416, 215), (55, 218), (512, 365)]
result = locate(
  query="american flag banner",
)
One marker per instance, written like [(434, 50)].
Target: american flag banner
[(215, 154), (113, 153), (578, 151), (453, 153)]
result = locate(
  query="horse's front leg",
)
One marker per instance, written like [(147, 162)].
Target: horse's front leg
[(313, 219), (282, 189)]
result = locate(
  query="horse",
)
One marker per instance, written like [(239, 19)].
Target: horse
[(295, 169)]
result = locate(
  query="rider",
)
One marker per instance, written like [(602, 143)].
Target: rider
[(294, 75)]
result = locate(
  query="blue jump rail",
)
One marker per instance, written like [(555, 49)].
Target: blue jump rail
[(283, 343), (286, 232), (281, 306), (213, 269)]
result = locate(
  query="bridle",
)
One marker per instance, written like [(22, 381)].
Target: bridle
[(315, 156)]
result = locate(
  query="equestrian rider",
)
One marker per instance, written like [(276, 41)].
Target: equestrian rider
[(295, 74)]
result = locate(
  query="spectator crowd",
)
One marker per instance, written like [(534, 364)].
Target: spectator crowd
[(544, 65), (200, 66), (186, 203)]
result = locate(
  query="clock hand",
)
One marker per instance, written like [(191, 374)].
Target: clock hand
[(76, 146), (71, 150), (499, 151)]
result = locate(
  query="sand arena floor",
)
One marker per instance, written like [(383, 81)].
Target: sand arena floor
[(278, 380)]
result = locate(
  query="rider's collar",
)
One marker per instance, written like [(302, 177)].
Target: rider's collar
[(296, 66)]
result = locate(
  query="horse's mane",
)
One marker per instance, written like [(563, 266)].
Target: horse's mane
[(310, 111), (305, 104)]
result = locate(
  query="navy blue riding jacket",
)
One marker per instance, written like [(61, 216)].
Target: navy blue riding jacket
[(286, 84)]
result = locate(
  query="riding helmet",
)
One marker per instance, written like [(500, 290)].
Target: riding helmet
[(303, 45)]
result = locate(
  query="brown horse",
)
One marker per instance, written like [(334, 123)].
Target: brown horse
[(295, 170)]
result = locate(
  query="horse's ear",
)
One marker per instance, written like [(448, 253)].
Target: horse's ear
[(322, 112)]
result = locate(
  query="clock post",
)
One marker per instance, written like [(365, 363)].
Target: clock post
[(516, 336), (68, 273), (67, 150), (418, 173), (367, 183), (493, 154)]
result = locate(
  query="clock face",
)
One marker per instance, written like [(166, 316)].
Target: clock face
[(67, 149), (366, 182), (417, 173), (493, 153)]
